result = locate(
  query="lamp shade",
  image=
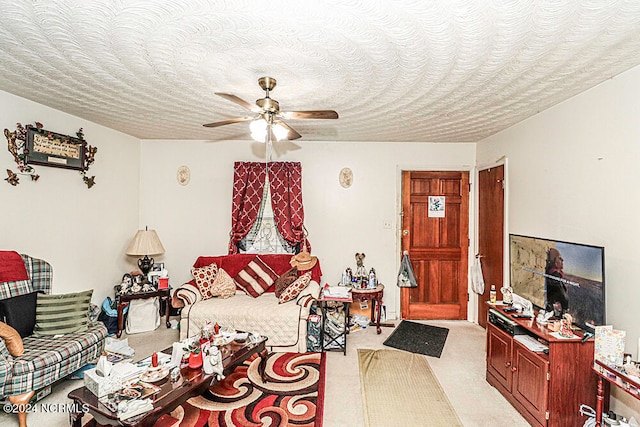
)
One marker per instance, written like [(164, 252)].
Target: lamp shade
[(145, 242)]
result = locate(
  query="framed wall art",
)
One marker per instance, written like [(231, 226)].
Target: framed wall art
[(53, 149)]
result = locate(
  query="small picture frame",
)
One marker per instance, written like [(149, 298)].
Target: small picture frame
[(154, 273)]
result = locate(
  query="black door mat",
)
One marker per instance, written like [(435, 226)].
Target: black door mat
[(418, 338)]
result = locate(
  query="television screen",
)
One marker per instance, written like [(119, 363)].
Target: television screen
[(560, 276)]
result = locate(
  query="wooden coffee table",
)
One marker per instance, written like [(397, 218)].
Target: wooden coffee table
[(192, 382)]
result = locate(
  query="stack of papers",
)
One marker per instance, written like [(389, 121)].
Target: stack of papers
[(121, 347), (531, 343), (127, 371), (332, 292)]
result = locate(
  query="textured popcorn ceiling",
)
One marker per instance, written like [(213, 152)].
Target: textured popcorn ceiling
[(403, 70)]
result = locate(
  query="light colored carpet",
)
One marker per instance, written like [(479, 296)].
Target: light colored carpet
[(399, 389), (460, 370)]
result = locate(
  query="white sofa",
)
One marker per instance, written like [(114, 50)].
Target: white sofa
[(285, 324)]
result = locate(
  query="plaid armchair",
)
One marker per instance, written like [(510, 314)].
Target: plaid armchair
[(45, 359)]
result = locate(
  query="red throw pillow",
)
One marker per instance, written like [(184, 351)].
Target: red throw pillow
[(255, 278)]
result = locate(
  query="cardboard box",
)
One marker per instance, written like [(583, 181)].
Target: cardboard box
[(101, 386)]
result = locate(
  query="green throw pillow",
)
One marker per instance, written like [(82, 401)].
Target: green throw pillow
[(62, 314)]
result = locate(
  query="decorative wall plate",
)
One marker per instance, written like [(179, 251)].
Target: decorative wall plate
[(184, 175), (346, 177)]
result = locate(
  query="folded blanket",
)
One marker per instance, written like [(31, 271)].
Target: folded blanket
[(12, 267)]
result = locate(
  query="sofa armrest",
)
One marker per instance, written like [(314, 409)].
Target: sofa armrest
[(186, 294), (309, 295), (6, 366)]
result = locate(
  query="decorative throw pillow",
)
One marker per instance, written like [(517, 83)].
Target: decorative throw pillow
[(294, 289), (204, 277), (285, 280), (20, 313), (223, 285), (62, 314), (12, 340), (256, 277)]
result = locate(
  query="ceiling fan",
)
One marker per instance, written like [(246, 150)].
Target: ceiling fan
[(268, 120)]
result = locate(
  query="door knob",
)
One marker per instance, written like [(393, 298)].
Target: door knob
[(405, 232)]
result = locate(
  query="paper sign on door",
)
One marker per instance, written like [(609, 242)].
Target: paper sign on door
[(436, 206)]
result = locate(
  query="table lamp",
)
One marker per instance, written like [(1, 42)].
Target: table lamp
[(145, 243)]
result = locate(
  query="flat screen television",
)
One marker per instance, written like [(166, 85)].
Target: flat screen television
[(560, 276)]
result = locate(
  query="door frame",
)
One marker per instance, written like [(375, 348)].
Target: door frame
[(473, 297), (471, 221)]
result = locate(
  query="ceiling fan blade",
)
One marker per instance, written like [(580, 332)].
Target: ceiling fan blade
[(239, 101), (313, 114), (228, 122), (293, 134)]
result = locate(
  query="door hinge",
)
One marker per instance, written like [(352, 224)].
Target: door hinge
[(546, 415), (501, 181), (548, 376)]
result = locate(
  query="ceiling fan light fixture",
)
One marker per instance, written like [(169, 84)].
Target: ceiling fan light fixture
[(259, 130), (280, 131)]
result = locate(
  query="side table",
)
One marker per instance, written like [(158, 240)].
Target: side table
[(608, 375), (123, 301), (375, 296), (326, 339)]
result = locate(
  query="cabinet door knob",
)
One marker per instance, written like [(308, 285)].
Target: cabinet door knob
[(507, 364), (514, 369)]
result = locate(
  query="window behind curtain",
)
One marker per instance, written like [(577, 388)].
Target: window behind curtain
[(256, 215), (264, 237)]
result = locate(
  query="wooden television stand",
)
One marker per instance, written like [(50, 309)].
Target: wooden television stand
[(547, 389)]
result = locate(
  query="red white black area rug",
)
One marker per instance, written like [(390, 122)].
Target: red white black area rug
[(292, 396)]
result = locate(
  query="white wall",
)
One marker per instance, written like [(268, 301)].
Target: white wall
[(195, 219), (573, 175), (82, 232)]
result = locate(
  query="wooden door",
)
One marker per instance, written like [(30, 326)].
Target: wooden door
[(438, 245), (490, 233)]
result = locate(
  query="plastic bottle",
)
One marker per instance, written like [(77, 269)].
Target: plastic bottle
[(492, 294), (372, 279)]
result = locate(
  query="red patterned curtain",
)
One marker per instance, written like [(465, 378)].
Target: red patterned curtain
[(248, 186), (285, 181)]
